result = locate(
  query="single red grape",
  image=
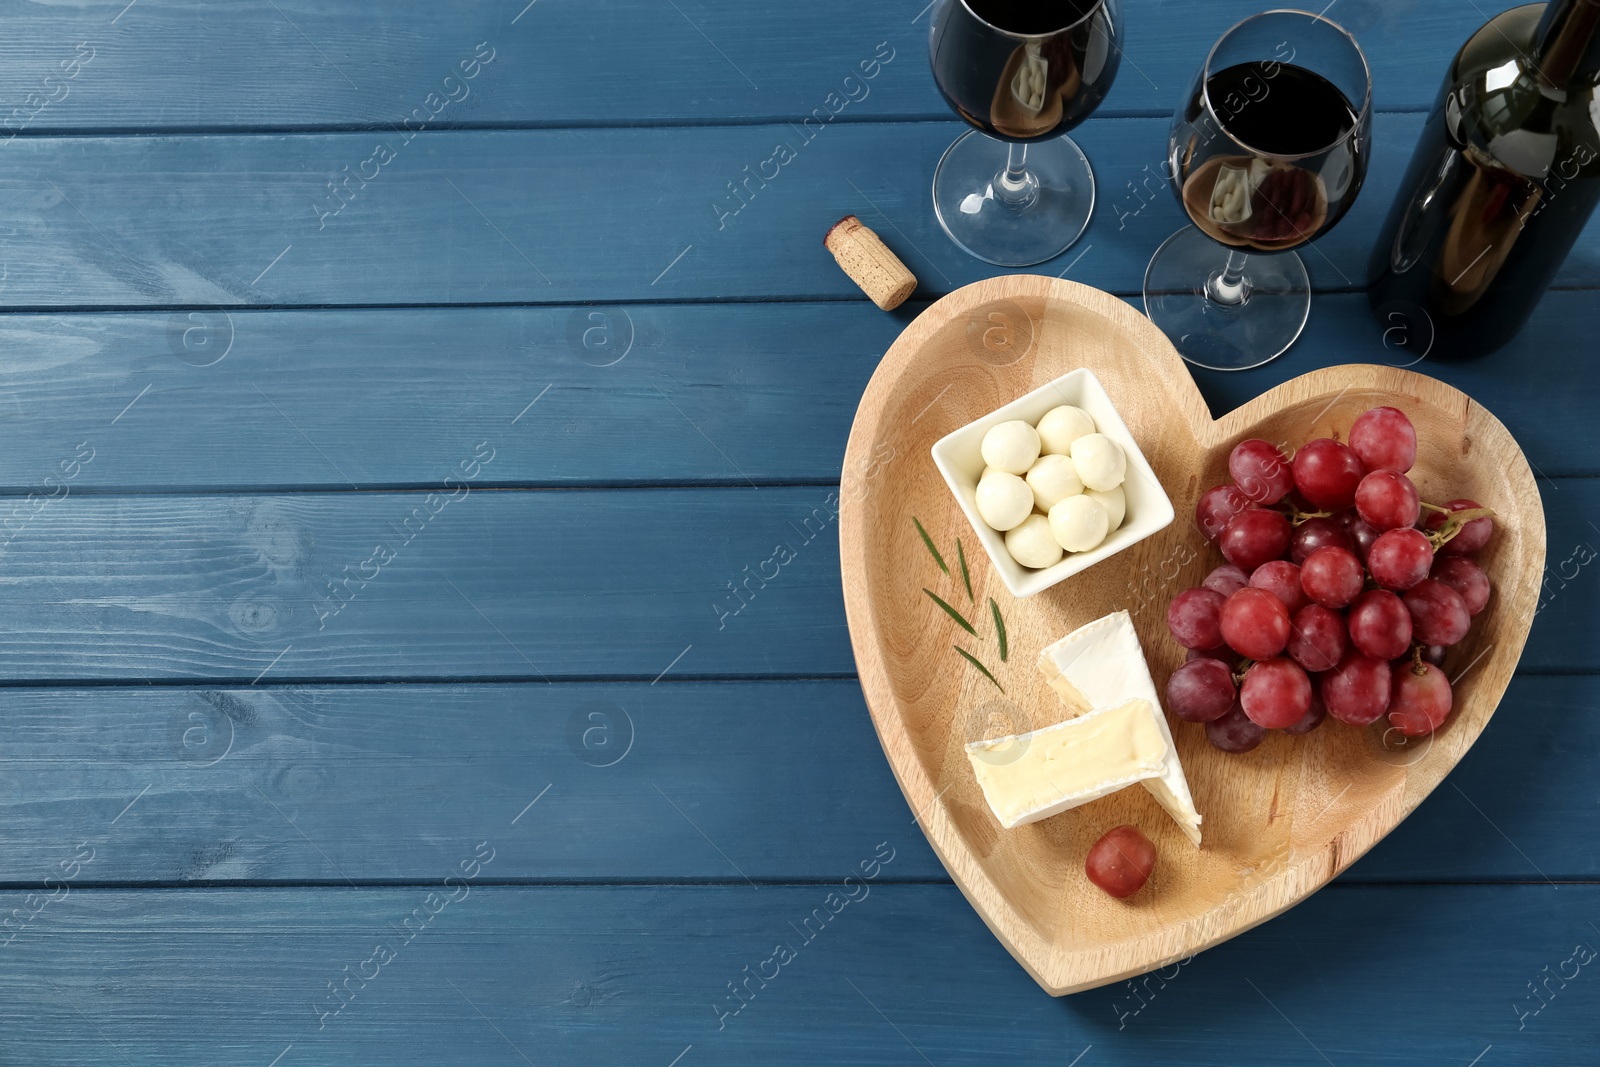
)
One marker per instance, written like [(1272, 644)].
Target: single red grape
[(1439, 615), (1434, 654), (1201, 690), (1253, 537), (1317, 637), (1193, 618), (1384, 439), (1471, 538), (1362, 534), (1120, 862), (1327, 473), (1255, 623), (1311, 719), (1227, 579), (1421, 700), (1276, 693), (1234, 732), (1216, 507), (1319, 533), (1357, 690), (1380, 625), (1466, 578), (1332, 577), (1387, 500), (1261, 472), (1282, 579), (1400, 559)]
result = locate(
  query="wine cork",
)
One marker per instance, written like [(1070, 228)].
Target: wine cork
[(870, 264)]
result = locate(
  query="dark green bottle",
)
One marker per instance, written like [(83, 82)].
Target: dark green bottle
[(1505, 177)]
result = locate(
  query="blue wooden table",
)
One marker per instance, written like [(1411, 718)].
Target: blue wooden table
[(388, 395)]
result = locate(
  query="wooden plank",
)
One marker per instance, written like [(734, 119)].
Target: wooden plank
[(165, 64), (643, 975), (664, 783), (513, 216), (642, 394), (495, 584)]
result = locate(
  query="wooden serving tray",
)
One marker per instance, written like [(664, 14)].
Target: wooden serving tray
[(1279, 822)]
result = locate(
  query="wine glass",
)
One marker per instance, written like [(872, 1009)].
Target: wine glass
[(1266, 153), (1021, 71)]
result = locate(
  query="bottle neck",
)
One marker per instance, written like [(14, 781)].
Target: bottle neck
[(1567, 43)]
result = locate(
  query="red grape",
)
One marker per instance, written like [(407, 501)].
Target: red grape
[(1471, 538), (1261, 472), (1434, 654), (1317, 638), (1282, 579), (1400, 559), (1387, 500), (1255, 623), (1380, 625), (1327, 473), (1253, 537), (1332, 577), (1216, 506), (1362, 534), (1421, 700), (1466, 578), (1226, 579), (1357, 690), (1192, 617), (1120, 862), (1319, 533), (1439, 615), (1276, 693), (1384, 439), (1311, 719), (1201, 690), (1234, 732)]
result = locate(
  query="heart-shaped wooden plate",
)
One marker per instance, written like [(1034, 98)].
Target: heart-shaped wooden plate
[(1279, 822)]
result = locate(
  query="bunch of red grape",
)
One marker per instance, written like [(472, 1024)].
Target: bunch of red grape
[(1340, 603)]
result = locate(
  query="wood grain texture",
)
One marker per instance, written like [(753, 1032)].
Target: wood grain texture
[(785, 777), (637, 975), (686, 388), (167, 64), (509, 216), (1275, 831), (494, 584)]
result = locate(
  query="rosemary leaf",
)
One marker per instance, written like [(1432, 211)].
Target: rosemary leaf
[(966, 579), (961, 620), (970, 658), (929, 542), (999, 627)]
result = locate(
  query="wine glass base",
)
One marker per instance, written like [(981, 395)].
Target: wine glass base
[(1220, 336), (990, 228)]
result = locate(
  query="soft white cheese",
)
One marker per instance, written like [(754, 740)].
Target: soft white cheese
[(1102, 664)]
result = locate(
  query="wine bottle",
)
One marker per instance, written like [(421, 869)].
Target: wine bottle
[(1501, 185)]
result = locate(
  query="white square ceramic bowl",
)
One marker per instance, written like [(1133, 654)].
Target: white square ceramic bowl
[(959, 458)]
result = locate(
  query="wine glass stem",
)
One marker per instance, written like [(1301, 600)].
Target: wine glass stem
[(1014, 185), (1229, 287)]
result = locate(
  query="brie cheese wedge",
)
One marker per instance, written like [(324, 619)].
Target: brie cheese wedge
[(1102, 664), (1032, 776)]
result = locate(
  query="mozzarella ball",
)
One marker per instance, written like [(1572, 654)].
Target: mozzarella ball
[(1078, 523), (1004, 500), (1011, 447), (1063, 425), (1114, 501), (1032, 545), (1100, 462), (1053, 479)]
